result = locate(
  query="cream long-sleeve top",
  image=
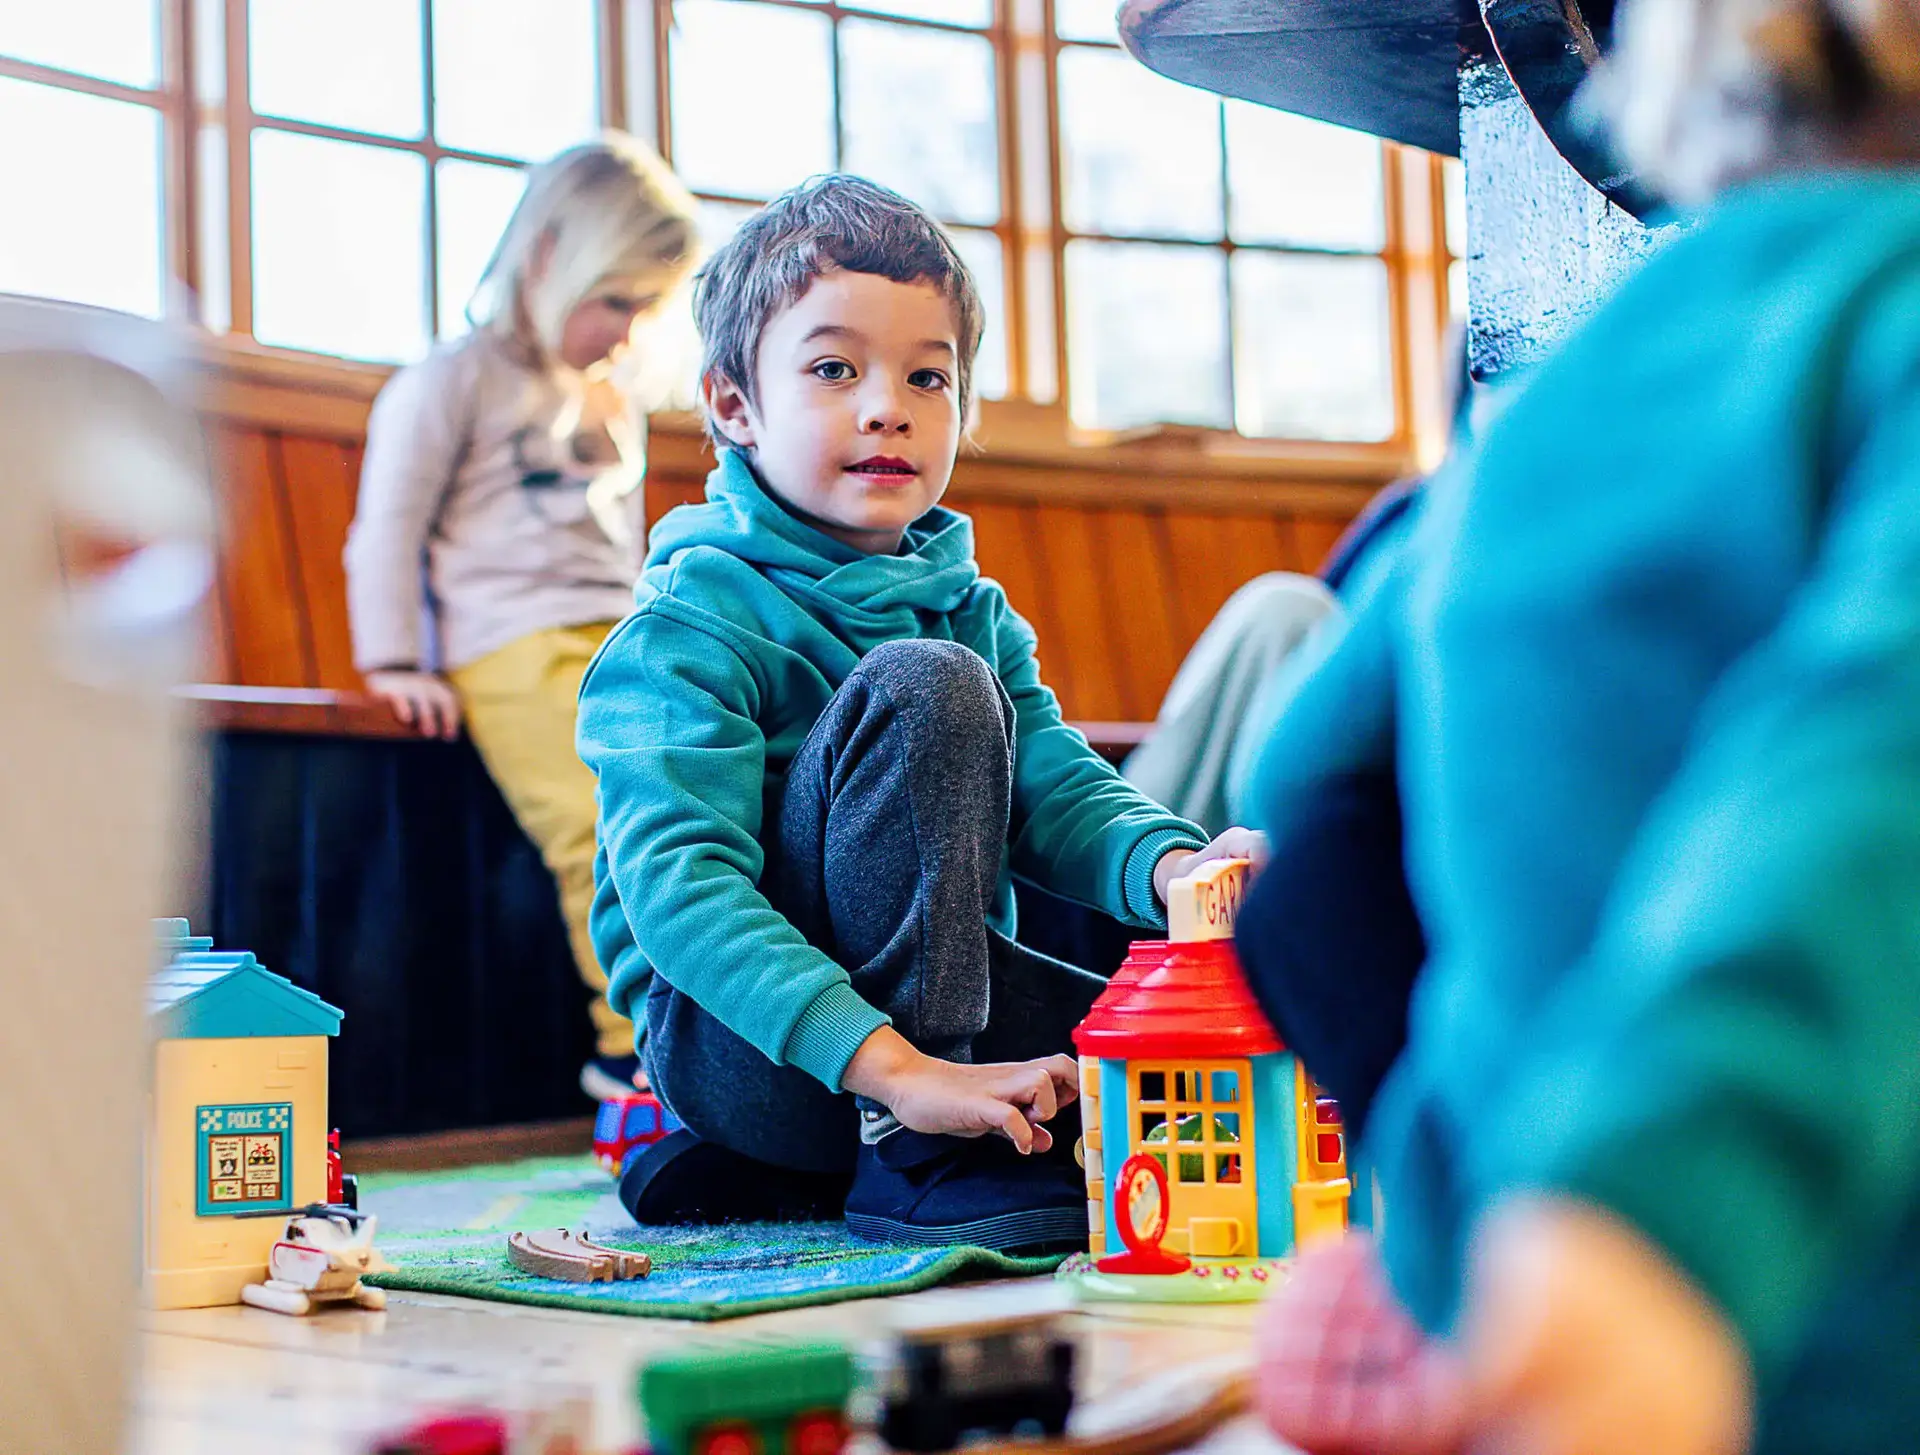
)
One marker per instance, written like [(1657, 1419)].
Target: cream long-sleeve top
[(496, 499)]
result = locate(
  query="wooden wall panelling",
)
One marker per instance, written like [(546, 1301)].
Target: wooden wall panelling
[(1001, 545), (216, 638), (1081, 631), (1143, 616), (259, 575), (1006, 545), (1317, 535), (1200, 562), (322, 479)]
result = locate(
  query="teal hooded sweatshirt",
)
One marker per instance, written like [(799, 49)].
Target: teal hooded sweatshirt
[(1649, 674), (747, 622)]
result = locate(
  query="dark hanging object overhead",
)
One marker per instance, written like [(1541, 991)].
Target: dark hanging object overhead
[(1380, 66), (1390, 67), (1548, 47)]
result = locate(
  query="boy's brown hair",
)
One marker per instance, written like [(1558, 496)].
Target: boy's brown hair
[(834, 222)]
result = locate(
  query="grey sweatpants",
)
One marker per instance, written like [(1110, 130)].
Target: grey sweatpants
[(885, 854)]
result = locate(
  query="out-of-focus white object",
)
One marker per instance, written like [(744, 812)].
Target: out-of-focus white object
[(106, 528)]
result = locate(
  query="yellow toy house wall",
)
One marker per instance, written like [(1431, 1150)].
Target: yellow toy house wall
[(195, 1261)]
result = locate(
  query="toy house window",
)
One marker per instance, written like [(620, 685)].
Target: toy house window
[(1192, 1137)]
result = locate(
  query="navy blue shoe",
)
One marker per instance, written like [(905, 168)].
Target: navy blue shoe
[(682, 1179), (910, 1187)]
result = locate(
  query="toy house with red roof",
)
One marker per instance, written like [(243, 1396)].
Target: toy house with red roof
[(1177, 1062)]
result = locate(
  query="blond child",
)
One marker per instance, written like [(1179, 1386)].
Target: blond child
[(495, 541)]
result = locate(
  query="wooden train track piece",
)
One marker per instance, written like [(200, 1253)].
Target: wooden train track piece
[(557, 1253)]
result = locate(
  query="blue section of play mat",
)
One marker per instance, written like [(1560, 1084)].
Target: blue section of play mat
[(446, 1232)]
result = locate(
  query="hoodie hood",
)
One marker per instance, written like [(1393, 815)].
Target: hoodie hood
[(933, 571)]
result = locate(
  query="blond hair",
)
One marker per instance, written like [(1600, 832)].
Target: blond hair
[(1705, 93), (605, 213)]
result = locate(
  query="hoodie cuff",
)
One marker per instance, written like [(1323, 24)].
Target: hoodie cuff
[(829, 1031), (1136, 879)]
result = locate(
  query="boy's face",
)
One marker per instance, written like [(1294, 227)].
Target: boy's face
[(858, 416)]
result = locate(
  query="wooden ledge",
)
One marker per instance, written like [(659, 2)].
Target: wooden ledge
[(293, 710), (325, 713)]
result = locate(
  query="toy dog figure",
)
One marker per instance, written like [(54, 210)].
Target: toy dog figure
[(320, 1258)]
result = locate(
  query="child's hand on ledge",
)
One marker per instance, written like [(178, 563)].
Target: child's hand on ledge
[(1010, 1098), (421, 700), (1581, 1338), (1233, 844)]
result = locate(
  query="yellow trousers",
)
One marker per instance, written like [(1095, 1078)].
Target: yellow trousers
[(519, 705)]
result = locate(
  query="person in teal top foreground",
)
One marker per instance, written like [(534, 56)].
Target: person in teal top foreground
[(1648, 676), (823, 748)]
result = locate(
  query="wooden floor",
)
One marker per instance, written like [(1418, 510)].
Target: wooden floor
[(241, 1381)]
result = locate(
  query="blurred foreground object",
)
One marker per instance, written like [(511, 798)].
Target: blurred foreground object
[(105, 555)]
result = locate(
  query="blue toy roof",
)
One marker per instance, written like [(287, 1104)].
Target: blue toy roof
[(203, 993)]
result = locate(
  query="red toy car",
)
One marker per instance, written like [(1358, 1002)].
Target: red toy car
[(342, 1188), (626, 1124)]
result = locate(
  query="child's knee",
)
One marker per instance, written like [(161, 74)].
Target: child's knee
[(941, 683)]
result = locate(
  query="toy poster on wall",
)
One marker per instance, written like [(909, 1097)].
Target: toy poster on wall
[(242, 1160)]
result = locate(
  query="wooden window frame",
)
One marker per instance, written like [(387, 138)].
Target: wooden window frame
[(1415, 250)]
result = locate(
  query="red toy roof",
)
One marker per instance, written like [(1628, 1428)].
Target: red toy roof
[(1192, 1002)]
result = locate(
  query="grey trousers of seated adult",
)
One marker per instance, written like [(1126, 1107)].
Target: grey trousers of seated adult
[(885, 855)]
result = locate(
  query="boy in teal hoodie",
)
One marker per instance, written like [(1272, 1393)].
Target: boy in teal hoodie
[(823, 747)]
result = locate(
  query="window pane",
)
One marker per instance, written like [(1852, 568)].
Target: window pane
[(1453, 174), (1312, 347), (116, 40), (1303, 182), (99, 243), (1086, 19), (984, 258), (210, 49), (1457, 292), (1141, 154), (719, 221), (752, 96), (339, 247), (347, 63), (1147, 332), (474, 202), (514, 79), (977, 13), (942, 150)]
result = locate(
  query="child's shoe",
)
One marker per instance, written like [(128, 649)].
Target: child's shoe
[(910, 1187), (682, 1179), (605, 1077)]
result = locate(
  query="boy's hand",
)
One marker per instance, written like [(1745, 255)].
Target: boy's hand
[(421, 700), (1233, 844), (1011, 1098), (1582, 1339)]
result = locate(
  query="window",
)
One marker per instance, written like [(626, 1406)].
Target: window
[(764, 93), (332, 178), (1202, 1140), (85, 84)]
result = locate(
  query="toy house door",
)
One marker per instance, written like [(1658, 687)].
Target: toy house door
[(1196, 1118)]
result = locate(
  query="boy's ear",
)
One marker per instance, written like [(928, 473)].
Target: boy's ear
[(727, 407)]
